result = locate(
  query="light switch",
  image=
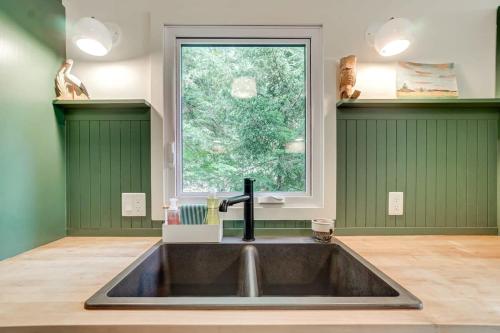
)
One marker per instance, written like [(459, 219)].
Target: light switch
[(133, 204)]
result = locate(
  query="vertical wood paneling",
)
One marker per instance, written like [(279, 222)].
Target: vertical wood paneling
[(462, 173), (105, 173), (411, 172), (125, 165), (401, 161), (441, 137), (73, 177), (106, 157), (381, 173), (471, 173), (447, 168), (390, 221), (95, 174), (431, 168), (341, 173), (360, 173), (451, 173), (351, 174), (371, 172), (421, 190), (135, 164), (482, 172), (84, 175), (492, 172), (146, 171), (115, 166)]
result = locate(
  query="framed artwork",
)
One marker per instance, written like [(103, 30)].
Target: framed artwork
[(415, 80)]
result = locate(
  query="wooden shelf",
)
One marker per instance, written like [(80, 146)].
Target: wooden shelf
[(490, 103), (102, 109), (103, 104)]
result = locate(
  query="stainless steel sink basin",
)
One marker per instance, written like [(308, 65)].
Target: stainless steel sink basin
[(269, 273)]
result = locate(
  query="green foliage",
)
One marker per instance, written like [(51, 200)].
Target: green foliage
[(226, 138)]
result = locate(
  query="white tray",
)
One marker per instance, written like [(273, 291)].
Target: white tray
[(192, 233)]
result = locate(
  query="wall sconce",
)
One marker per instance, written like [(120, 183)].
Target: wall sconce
[(94, 37), (392, 37)]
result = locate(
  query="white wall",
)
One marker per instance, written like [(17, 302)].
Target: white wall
[(118, 79), (460, 31)]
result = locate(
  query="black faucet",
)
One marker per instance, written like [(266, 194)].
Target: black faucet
[(247, 198)]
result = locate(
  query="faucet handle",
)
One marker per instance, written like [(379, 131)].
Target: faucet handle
[(248, 185)]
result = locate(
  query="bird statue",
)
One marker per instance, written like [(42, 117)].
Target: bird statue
[(69, 86), (348, 78)]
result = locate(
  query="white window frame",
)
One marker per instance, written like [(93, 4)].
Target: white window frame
[(311, 36)]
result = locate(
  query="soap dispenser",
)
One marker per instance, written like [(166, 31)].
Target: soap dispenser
[(212, 209), (173, 216)]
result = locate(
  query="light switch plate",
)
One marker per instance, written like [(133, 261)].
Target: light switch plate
[(396, 203), (133, 204)]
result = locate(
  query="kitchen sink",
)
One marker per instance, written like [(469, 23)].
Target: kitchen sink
[(294, 273)]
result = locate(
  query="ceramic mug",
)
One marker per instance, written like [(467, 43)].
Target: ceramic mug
[(323, 229)]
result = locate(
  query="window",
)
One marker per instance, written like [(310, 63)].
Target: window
[(246, 105), (242, 114)]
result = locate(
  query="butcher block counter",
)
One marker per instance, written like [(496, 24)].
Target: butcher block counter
[(456, 277)]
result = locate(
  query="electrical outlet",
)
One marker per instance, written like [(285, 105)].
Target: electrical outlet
[(396, 203), (133, 204)]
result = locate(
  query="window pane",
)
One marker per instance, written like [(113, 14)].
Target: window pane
[(243, 114)]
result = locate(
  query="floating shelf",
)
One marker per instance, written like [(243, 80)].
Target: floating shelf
[(100, 109), (103, 104), (490, 103)]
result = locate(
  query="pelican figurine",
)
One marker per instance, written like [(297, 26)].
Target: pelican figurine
[(69, 86)]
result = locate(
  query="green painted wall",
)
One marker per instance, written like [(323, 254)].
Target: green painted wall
[(498, 54), (32, 181), (444, 160), (108, 153)]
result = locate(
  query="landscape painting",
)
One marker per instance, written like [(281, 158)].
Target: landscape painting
[(415, 80)]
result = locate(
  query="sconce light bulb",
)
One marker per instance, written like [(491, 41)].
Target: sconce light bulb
[(92, 36), (395, 47), (391, 38)]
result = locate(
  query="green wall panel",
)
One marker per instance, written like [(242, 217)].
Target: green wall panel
[(498, 55), (443, 160), (32, 177), (108, 154)]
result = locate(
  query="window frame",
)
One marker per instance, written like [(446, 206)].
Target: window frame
[(178, 133), (311, 36)]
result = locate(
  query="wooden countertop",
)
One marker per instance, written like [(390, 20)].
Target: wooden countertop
[(456, 277)]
